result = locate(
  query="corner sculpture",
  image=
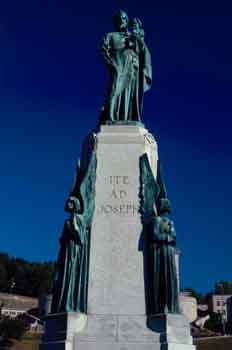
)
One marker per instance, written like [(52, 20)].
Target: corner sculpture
[(160, 238), (165, 275), (70, 288), (129, 63)]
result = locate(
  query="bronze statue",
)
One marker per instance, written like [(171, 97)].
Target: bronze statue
[(129, 63), (70, 288), (70, 285), (160, 236), (165, 275)]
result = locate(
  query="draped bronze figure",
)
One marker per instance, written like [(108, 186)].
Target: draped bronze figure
[(160, 237), (129, 64), (70, 285), (165, 274), (70, 288)]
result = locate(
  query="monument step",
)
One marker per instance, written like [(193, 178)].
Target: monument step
[(132, 328), (116, 332), (131, 346)]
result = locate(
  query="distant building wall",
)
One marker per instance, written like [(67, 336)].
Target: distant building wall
[(14, 305), (188, 305), (229, 309), (221, 304)]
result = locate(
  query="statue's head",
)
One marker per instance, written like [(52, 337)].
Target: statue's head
[(165, 206), (120, 20), (72, 205)]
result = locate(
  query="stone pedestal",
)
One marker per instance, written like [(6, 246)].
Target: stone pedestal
[(116, 332), (60, 330), (116, 275), (116, 299), (161, 332)]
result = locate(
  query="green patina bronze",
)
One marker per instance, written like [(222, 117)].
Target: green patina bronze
[(165, 275), (70, 289), (160, 237), (129, 64)]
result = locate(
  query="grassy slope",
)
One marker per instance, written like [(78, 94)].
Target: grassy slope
[(214, 344), (207, 344)]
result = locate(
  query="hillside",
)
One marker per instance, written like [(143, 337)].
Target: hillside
[(220, 343)]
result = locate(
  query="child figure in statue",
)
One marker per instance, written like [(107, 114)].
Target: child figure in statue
[(165, 274), (138, 34)]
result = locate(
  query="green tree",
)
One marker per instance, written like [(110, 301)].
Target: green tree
[(214, 323), (201, 298), (223, 287), (3, 277), (11, 329), (19, 276)]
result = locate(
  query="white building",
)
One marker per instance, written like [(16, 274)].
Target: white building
[(221, 304), (188, 306), (15, 305)]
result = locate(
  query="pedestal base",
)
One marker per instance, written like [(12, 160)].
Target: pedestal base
[(132, 346), (117, 332), (60, 330)]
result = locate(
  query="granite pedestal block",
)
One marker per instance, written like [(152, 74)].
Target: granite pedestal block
[(116, 274), (116, 317), (116, 332), (131, 332), (60, 330)]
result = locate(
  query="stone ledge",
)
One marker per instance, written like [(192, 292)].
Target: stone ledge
[(113, 346), (125, 134), (63, 326), (131, 346), (72, 331), (122, 128), (56, 345), (135, 328)]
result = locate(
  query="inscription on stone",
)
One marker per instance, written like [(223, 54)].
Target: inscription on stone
[(118, 198)]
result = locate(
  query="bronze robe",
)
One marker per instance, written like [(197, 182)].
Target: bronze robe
[(71, 280), (130, 76), (165, 274)]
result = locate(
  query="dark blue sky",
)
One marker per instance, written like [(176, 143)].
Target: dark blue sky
[(52, 84)]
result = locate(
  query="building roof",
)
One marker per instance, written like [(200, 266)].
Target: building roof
[(17, 302), (221, 296), (29, 319)]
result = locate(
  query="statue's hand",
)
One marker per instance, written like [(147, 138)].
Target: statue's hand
[(141, 39), (161, 237), (171, 239), (141, 42), (166, 225), (113, 67)]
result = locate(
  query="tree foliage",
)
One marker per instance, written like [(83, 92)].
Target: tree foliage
[(19, 276), (201, 298), (214, 323), (11, 329), (223, 287)]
